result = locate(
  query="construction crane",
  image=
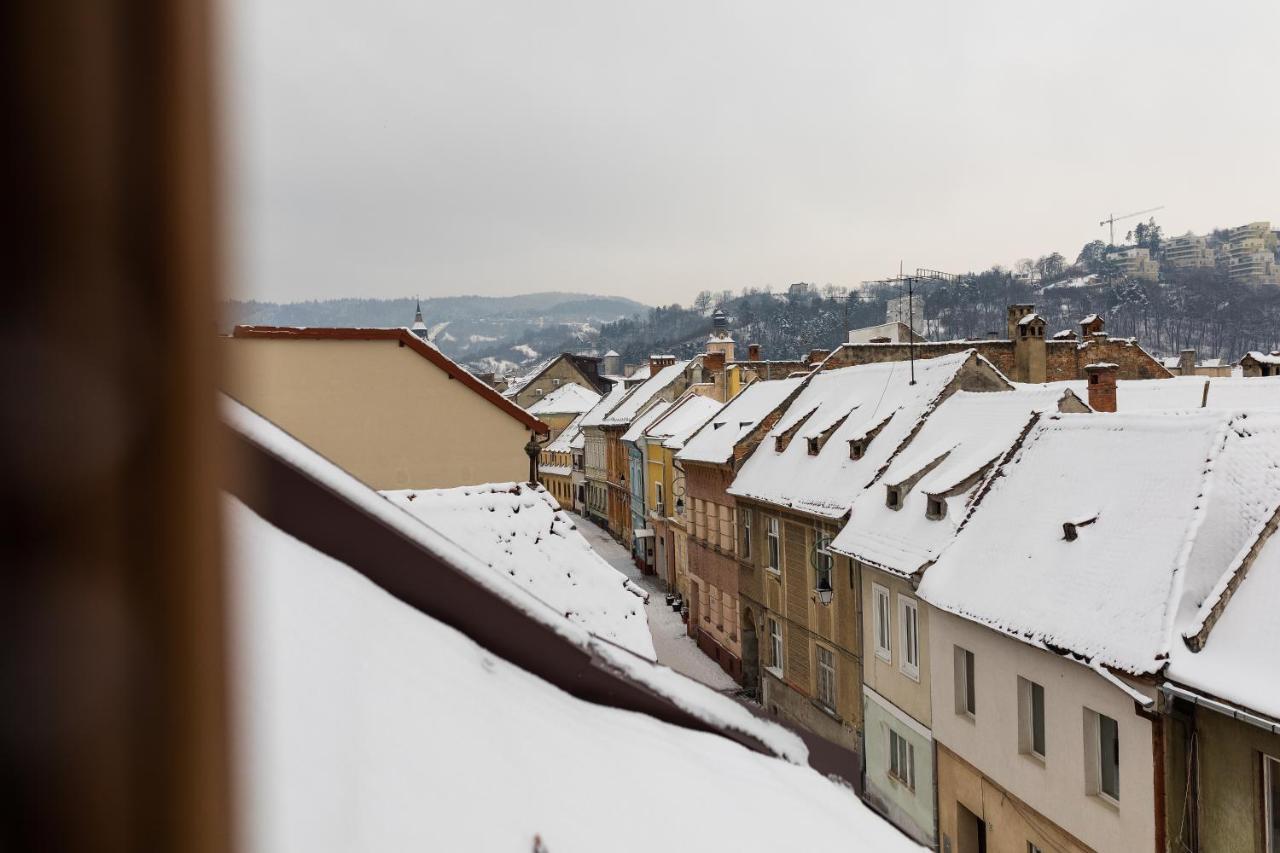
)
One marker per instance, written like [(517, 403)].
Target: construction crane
[(1112, 219)]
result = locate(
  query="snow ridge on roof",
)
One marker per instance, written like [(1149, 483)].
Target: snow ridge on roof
[(1172, 499), (715, 441), (563, 442), (682, 420), (642, 421), (596, 416), (846, 403)]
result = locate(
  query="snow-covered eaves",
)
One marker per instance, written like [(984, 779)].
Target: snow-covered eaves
[(639, 396), (600, 411), (1170, 500), (641, 422), (564, 442), (682, 419), (1264, 358)]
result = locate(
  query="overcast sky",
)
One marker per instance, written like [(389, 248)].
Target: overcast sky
[(650, 149)]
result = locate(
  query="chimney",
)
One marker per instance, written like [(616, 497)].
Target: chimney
[(1102, 386), (1090, 326), (1187, 361), (657, 362), (1016, 313), (816, 355), (753, 352), (713, 362)]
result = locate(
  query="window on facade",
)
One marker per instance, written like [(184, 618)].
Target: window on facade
[(726, 529), (555, 382), (909, 622), (713, 525), (966, 694), (826, 677), (775, 644), (658, 500), (880, 617), (1102, 755), (775, 549), (746, 533), (823, 563), (902, 760), (1030, 718), (1271, 803), (1032, 848), (813, 446)]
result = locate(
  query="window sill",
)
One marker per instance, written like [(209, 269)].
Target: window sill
[(1105, 800), (775, 671), (1034, 758), (827, 709), (775, 572), (967, 717), (884, 655), (914, 676)]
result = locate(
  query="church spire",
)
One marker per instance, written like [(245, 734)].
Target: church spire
[(419, 327)]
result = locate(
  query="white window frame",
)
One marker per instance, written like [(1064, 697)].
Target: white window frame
[(909, 636), (773, 540), (776, 650), (1270, 789), (746, 533), (659, 499), (1093, 756), (881, 625), (966, 674), (902, 759), (827, 559), (1027, 719), (826, 680)]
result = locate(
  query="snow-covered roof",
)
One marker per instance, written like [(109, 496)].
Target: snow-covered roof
[(1251, 392), (516, 384), (596, 416), (570, 398), (957, 445), (721, 713), (1189, 392), (520, 533), (682, 420), (563, 442), (1264, 358), (611, 353), (1238, 660), (714, 443), (642, 420), (1161, 504), (1029, 319), (364, 724), (635, 401), (836, 407)]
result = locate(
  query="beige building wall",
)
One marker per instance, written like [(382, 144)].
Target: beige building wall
[(379, 410), (1055, 788), (884, 673)]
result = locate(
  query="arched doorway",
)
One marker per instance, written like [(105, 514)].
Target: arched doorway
[(750, 655)]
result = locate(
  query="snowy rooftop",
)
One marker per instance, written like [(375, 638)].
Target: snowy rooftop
[(951, 454), (642, 421), (1265, 358), (635, 401), (364, 724), (1238, 660), (1160, 503), (516, 384), (596, 416), (520, 533), (1189, 392), (682, 420), (716, 440), (569, 399), (836, 407)]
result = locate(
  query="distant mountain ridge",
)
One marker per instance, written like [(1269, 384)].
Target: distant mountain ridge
[(488, 333)]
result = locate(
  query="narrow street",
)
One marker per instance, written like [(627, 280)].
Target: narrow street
[(674, 647)]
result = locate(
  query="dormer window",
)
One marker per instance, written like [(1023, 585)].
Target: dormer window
[(936, 508), (779, 444), (893, 499), (856, 449), (813, 446)]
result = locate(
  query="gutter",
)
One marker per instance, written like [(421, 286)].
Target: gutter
[(1221, 708)]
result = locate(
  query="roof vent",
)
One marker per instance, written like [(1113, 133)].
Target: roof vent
[(1069, 528)]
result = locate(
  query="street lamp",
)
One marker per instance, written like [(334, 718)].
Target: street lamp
[(824, 594)]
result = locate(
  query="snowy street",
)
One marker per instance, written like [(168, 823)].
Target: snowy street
[(674, 647)]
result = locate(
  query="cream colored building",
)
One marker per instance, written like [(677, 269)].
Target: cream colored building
[(1135, 261), (1188, 251), (381, 403)]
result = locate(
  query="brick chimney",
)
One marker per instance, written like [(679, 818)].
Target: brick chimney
[(1090, 326), (713, 362), (1102, 386), (657, 362), (1187, 362), (753, 352), (816, 355)]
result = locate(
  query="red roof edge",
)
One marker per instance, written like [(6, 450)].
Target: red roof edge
[(408, 339)]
